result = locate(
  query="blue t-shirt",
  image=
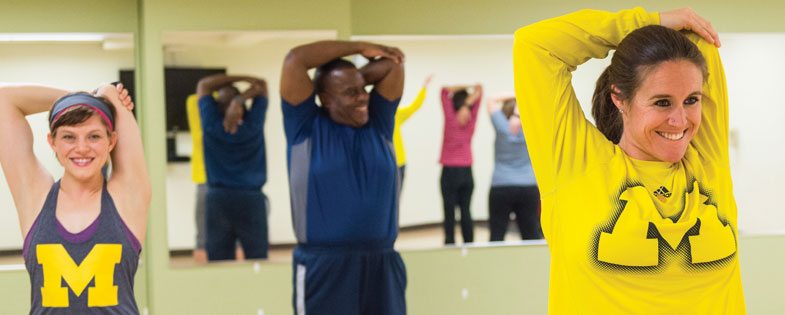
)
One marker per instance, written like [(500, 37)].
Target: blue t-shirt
[(512, 164), (234, 160), (343, 180)]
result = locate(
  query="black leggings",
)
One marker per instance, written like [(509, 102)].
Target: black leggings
[(457, 186), (524, 201)]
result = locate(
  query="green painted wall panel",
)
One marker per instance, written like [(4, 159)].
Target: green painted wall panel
[(498, 280), (484, 280), (468, 17), (68, 16), (248, 15), (15, 292)]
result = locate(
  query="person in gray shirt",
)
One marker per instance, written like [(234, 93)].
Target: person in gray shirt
[(513, 186)]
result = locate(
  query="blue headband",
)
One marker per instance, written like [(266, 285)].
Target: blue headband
[(81, 99)]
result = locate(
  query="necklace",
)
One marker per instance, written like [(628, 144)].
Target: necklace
[(662, 193)]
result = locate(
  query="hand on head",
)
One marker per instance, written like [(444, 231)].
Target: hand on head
[(372, 51), (117, 95), (124, 97), (687, 19)]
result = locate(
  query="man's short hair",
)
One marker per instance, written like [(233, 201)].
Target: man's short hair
[(322, 72), (228, 86)]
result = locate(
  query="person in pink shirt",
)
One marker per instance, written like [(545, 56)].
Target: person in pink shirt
[(460, 116)]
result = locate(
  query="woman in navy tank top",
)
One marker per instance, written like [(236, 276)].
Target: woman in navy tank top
[(83, 232)]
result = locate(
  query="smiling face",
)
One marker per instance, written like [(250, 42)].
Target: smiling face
[(345, 98), (83, 148), (663, 116)]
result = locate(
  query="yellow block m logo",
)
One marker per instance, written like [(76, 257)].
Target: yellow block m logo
[(99, 264), (631, 243)]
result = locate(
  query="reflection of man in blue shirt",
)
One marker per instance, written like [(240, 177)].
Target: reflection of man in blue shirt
[(236, 166), (343, 178)]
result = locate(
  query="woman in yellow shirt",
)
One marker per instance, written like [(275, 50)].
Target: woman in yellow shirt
[(638, 211)]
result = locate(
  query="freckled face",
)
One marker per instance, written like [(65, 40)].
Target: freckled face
[(664, 114), (83, 149)]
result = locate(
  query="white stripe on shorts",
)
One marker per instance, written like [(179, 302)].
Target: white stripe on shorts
[(300, 290)]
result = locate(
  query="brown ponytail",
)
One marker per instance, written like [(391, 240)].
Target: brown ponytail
[(606, 115)]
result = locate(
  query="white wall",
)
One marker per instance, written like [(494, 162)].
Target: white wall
[(72, 66), (754, 66), (453, 61)]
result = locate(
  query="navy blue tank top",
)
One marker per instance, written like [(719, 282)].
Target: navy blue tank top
[(91, 272)]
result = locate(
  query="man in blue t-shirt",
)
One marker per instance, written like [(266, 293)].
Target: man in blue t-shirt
[(236, 165), (343, 178)]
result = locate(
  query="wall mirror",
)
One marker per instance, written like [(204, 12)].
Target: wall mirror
[(190, 56)]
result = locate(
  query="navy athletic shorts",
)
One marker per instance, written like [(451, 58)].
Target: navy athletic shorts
[(349, 279)]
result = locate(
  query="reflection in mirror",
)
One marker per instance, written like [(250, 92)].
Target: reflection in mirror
[(71, 61), (188, 58), (453, 61)]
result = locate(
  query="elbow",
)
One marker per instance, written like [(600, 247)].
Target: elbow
[(261, 84), (293, 60), (293, 56), (202, 87), (396, 68), (524, 37), (522, 32)]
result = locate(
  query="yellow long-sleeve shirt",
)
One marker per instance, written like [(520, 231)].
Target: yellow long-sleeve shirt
[(615, 248), (401, 116), (198, 173)]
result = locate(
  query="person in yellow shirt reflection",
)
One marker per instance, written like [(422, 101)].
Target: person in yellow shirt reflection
[(638, 211), (402, 115)]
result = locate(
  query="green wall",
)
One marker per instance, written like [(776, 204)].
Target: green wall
[(49, 16), (498, 280), (469, 17)]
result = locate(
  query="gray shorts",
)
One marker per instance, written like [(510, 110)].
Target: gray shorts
[(201, 210)]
